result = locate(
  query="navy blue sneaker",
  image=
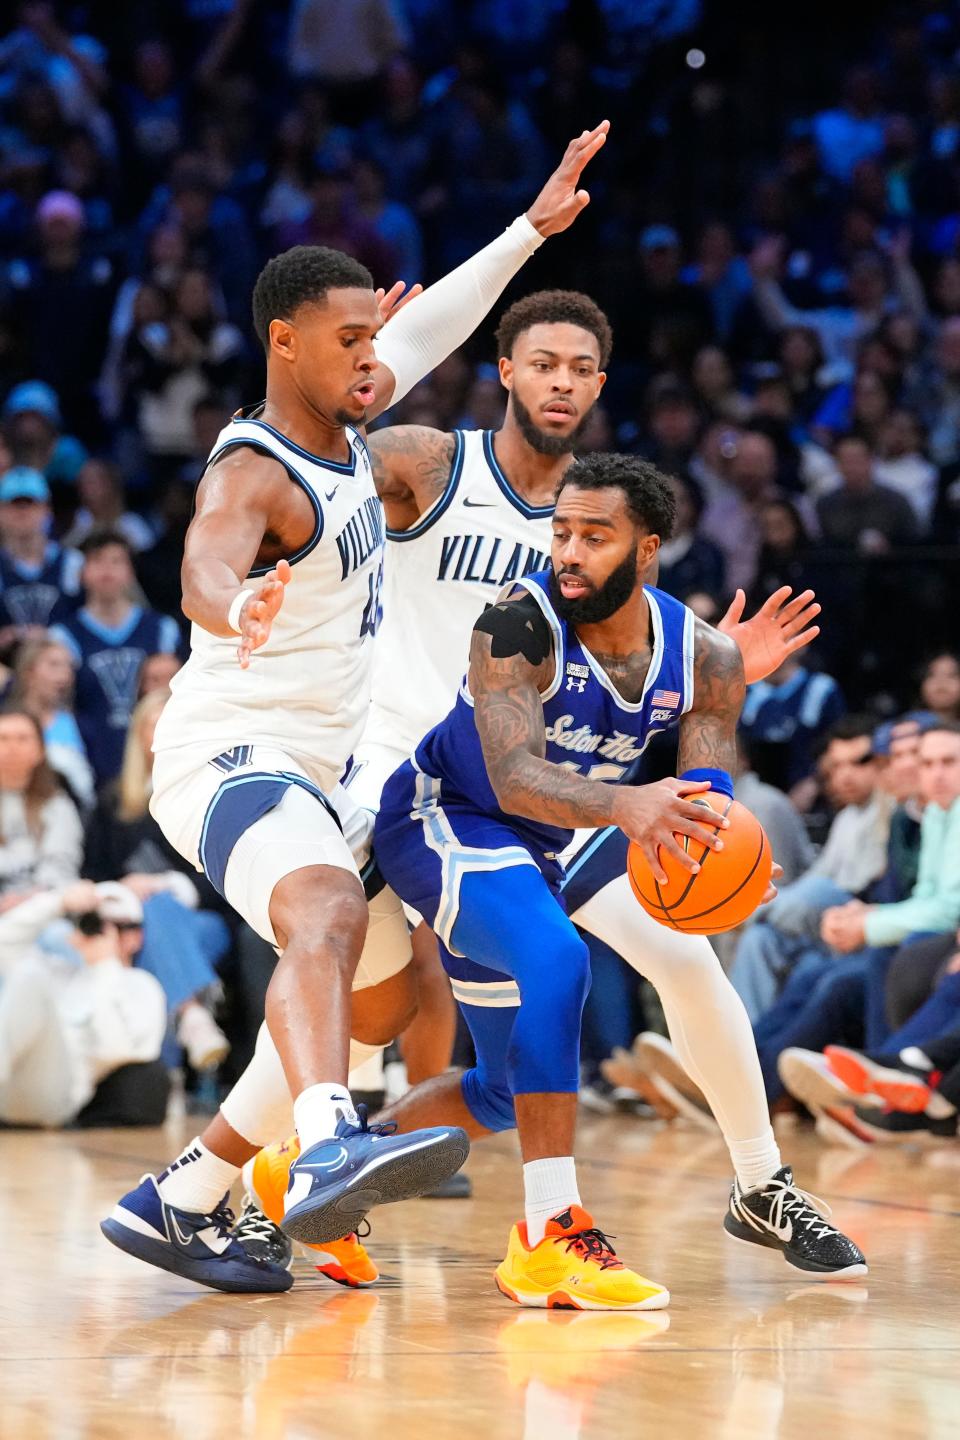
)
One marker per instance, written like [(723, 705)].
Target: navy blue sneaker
[(334, 1183), (198, 1247)]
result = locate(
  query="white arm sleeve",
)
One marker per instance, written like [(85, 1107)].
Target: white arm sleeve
[(431, 327)]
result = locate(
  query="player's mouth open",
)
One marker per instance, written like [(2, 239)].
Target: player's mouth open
[(559, 410), (573, 587), (365, 393)]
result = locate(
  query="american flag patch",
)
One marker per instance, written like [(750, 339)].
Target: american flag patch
[(668, 699)]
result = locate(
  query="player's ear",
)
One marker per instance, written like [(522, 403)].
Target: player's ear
[(601, 381), (283, 339), (506, 372)]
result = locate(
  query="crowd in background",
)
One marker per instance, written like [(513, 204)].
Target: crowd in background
[(775, 234)]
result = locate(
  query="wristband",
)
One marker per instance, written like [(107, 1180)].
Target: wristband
[(719, 780), (236, 605)]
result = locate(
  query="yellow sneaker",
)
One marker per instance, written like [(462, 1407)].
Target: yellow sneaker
[(574, 1267), (346, 1261)]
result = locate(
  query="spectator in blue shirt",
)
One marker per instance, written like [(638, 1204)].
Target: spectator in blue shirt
[(109, 639), (39, 579), (784, 717)]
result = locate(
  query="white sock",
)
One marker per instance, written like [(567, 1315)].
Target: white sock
[(197, 1179), (755, 1161), (549, 1186), (318, 1110)]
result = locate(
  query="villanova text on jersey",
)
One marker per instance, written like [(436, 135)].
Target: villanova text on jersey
[(487, 559), (362, 536)]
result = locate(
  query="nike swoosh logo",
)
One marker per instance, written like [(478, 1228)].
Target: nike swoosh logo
[(478, 505), (330, 493), (183, 1239)]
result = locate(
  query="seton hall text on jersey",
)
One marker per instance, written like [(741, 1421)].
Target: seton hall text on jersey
[(585, 741), (362, 536), (487, 559)]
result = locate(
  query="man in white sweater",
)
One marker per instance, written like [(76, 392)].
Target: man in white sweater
[(62, 1032)]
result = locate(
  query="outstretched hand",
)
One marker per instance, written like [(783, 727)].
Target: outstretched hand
[(260, 611), (389, 302), (560, 201), (780, 627)]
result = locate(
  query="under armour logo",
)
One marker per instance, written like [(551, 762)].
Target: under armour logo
[(574, 682)]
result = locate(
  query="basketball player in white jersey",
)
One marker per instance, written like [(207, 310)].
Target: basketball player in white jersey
[(488, 520), (252, 746)]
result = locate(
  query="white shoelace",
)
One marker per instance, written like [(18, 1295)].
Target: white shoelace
[(792, 1202), (253, 1224)]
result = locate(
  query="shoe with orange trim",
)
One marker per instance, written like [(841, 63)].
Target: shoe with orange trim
[(574, 1267), (345, 1261)]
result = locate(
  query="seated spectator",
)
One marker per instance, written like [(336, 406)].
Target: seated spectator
[(715, 388), (41, 838), (902, 466), (673, 426), (63, 1032), (185, 935), (785, 716), (393, 222), (940, 686), (802, 367), (156, 672), (845, 1005), (34, 427), (101, 495), (784, 551), (721, 273), (334, 219), (780, 818), (689, 561), (39, 579), (852, 860), (109, 638), (731, 519), (43, 687), (863, 515)]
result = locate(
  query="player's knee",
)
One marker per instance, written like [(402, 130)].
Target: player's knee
[(382, 1012), (562, 978), (322, 922), (490, 1103)]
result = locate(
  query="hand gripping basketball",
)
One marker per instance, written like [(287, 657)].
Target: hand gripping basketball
[(660, 818)]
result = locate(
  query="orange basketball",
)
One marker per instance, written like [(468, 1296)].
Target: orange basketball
[(730, 883)]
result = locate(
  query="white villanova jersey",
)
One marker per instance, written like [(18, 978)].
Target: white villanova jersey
[(440, 575), (307, 690)]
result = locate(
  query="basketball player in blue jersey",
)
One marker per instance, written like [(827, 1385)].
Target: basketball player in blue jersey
[(281, 579), (567, 680)]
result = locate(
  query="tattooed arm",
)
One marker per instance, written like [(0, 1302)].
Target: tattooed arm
[(411, 466), (509, 719), (708, 730)]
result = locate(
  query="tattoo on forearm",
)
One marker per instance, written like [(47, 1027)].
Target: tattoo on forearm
[(411, 460), (708, 731)]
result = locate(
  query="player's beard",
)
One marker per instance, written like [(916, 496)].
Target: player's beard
[(601, 603), (538, 439)]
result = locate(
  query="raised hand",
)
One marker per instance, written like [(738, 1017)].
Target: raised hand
[(780, 627), (560, 201), (389, 302), (259, 612), (654, 815)]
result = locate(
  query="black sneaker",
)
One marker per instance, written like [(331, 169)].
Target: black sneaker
[(260, 1238), (894, 1124), (783, 1217)]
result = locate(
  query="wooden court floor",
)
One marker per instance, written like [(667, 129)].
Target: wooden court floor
[(94, 1345)]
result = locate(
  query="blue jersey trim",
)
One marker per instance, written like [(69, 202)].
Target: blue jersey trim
[(298, 479), (432, 515), (235, 807), (530, 512), (348, 468)]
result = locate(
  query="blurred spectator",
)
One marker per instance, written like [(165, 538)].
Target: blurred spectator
[(863, 515), (185, 935), (781, 821), (903, 467), (721, 273), (33, 424), (784, 550), (101, 496), (60, 308), (486, 399), (941, 398), (399, 138), (394, 223), (853, 859), (170, 365), (39, 579), (714, 386), (43, 687), (688, 561), (854, 130), (64, 1031), (940, 687), (334, 219), (783, 718), (673, 426), (731, 519), (156, 672), (41, 839), (109, 638), (74, 66), (669, 320), (346, 45), (153, 111)]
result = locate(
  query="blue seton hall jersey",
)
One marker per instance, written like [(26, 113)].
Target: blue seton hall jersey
[(589, 726), (39, 594), (108, 663)]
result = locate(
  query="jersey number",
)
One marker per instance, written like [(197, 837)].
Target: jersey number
[(373, 610), (597, 772)]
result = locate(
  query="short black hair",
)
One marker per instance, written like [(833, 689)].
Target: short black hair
[(555, 307), (650, 499), (852, 727), (302, 276), (103, 536)]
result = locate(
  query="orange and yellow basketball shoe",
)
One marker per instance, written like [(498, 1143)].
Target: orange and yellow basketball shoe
[(574, 1267), (345, 1261)]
